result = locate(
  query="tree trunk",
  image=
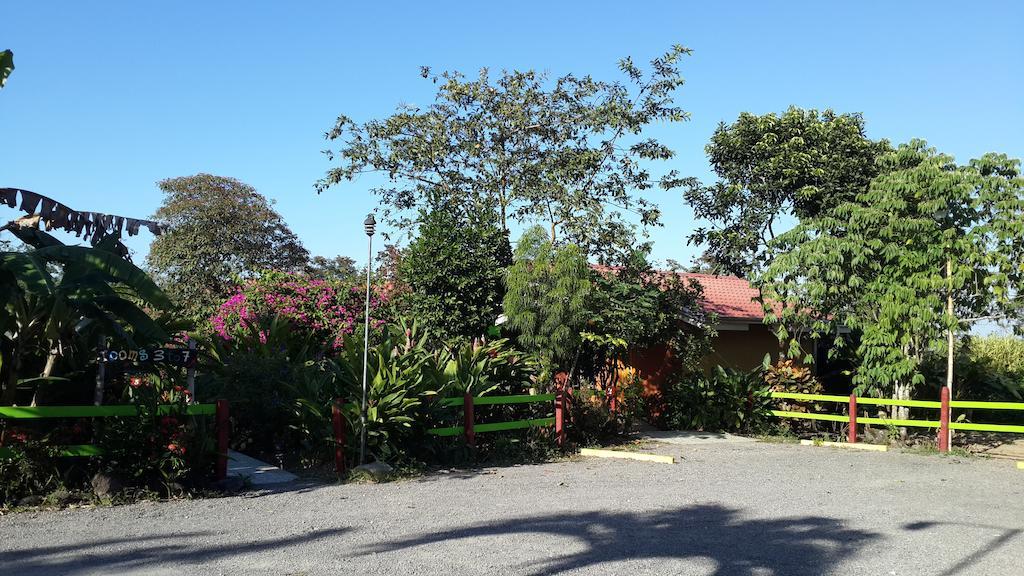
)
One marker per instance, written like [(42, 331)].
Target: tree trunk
[(11, 385), (900, 391), (51, 362)]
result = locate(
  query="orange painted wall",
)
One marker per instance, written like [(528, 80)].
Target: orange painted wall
[(742, 350)]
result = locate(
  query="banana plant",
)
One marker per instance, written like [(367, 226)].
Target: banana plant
[(57, 299)]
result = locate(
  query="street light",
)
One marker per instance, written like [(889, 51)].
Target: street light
[(370, 225)]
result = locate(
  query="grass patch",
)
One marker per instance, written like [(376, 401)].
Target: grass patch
[(779, 439)]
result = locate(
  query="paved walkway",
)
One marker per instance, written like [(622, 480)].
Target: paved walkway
[(728, 508), (688, 437), (256, 472)]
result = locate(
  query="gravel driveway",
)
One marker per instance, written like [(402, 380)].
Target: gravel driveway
[(726, 508)]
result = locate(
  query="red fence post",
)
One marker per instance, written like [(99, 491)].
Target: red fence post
[(467, 420), (223, 424), (560, 417), (339, 437), (944, 420), (853, 419)]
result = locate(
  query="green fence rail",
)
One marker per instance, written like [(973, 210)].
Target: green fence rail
[(497, 426), (89, 450), (964, 404), (34, 412)]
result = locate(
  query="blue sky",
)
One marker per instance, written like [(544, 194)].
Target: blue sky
[(108, 98)]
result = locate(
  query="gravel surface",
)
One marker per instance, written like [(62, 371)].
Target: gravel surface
[(726, 508)]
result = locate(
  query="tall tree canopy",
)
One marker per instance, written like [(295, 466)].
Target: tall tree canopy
[(219, 230), (339, 268), (799, 164), (455, 267), (885, 263), (568, 153)]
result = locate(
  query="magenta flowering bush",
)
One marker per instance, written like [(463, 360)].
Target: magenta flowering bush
[(327, 310)]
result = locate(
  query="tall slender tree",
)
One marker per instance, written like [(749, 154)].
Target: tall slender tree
[(547, 290)]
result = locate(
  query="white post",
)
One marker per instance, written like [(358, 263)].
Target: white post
[(190, 371), (950, 345), (366, 343)]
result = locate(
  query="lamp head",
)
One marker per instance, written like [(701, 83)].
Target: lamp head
[(370, 225)]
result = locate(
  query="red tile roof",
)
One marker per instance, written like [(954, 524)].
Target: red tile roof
[(728, 297)]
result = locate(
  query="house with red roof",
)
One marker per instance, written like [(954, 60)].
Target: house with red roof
[(743, 338)]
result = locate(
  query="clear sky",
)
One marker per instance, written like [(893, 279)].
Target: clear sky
[(110, 97)]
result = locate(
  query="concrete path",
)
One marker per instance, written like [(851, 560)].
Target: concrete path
[(256, 472), (685, 437)]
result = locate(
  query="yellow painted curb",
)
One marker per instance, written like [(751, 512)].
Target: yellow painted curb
[(855, 445), (628, 455), (1020, 465)]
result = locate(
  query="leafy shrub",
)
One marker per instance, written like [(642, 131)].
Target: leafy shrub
[(788, 376), (408, 375), (156, 449), (397, 389), (727, 400), (591, 419), (266, 371), (27, 468), (986, 368)]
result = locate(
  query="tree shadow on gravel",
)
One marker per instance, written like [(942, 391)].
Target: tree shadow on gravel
[(797, 546), (159, 553)]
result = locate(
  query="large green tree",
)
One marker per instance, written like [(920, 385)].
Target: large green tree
[(569, 153), (219, 230), (339, 268), (774, 170), (930, 247), (455, 269), (547, 291)]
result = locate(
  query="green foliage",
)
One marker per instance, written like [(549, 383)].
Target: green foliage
[(220, 230), (455, 269), (397, 388), (525, 148), (727, 400), (282, 388), (641, 308), (156, 450), (58, 300), (483, 367), (547, 291), (261, 371), (29, 468), (878, 264), (591, 420), (986, 368), (341, 269), (802, 163), (6, 66)]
